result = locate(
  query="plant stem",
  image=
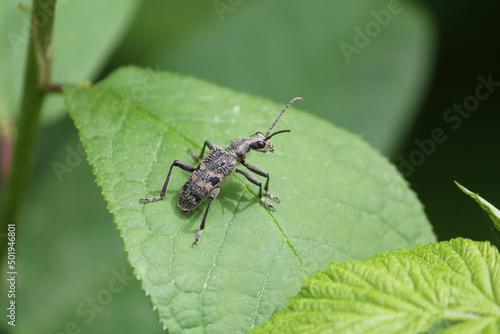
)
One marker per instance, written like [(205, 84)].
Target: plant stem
[(36, 79)]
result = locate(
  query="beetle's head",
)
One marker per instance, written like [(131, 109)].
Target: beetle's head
[(260, 142)]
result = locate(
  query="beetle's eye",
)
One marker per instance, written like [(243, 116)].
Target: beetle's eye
[(258, 145)]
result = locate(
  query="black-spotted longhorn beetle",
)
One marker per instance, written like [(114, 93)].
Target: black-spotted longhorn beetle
[(217, 167)]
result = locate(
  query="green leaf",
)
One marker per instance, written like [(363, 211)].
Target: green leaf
[(492, 211), (452, 286), (339, 198), (85, 34)]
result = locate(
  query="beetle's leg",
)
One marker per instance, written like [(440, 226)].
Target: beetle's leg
[(212, 196), (199, 157), (257, 182), (182, 165), (261, 172)]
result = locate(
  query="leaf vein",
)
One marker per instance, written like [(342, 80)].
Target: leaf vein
[(285, 237), (261, 292), (205, 284)]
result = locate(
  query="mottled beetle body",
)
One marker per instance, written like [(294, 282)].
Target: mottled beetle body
[(214, 170), (217, 167)]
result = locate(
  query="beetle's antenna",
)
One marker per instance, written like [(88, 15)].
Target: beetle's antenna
[(277, 119), (281, 131)]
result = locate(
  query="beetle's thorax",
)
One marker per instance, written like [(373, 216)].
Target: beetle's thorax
[(240, 148)]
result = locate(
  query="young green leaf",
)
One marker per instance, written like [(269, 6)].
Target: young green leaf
[(339, 198), (447, 287), (492, 211)]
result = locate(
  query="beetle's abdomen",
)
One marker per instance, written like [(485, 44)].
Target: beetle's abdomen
[(214, 170)]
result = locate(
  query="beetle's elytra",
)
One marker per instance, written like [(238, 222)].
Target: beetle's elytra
[(217, 167)]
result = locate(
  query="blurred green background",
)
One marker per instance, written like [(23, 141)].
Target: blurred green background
[(393, 88)]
